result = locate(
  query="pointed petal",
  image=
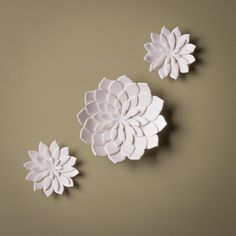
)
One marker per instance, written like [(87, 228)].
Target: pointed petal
[(66, 181), (155, 38), (184, 39), (172, 41), (33, 155), (177, 33), (105, 84), (72, 173), (55, 184), (187, 49), (174, 69), (71, 162), (82, 116), (48, 191), (31, 176), (183, 67), (165, 32), (64, 151), (89, 97), (161, 123), (43, 148), (54, 146), (28, 165), (189, 58)]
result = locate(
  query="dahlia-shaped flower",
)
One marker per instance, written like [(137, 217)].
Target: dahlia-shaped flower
[(51, 168), (169, 53), (121, 119)]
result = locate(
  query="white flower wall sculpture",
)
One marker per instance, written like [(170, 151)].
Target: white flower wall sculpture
[(169, 53), (51, 168), (121, 119)]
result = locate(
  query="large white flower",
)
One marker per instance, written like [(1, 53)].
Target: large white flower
[(169, 53), (51, 168), (121, 119)]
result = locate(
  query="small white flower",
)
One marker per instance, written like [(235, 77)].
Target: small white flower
[(169, 53), (51, 168), (121, 119)]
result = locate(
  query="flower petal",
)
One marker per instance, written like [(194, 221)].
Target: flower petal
[(99, 150), (152, 141), (189, 58), (177, 33), (71, 162), (160, 123), (89, 97), (187, 49), (155, 38), (54, 146), (183, 67), (184, 39), (105, 84), (72, 173), (117, 157), (43, 148), (66, 181), (64, 151), (137, 154), (82, 116), (86, 135)]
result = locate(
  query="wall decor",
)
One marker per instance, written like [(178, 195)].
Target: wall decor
[(169, 53), (51, 168), (121, 119)]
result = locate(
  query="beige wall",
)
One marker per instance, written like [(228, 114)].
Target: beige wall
[(51, 52)]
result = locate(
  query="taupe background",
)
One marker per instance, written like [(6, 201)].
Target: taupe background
[(52, 52)]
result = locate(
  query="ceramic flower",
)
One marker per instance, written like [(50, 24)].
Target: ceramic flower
[(121, 119), (169, 53), (51, 168)]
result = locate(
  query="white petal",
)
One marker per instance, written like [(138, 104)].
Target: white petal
[(43, 148), (98, 139), (54, 146), (72, 173), (149, 47), (157, 102), (90, 124), (61, 188), (64, 151), (33, 155), (66, 181), (111, 148), (149, 58), (183, 68), (48, 191), (71, 162), (137, 154), (161, 123), (140, 142), (64, 160), (92, 108), (177, 33), (144, 88), (55, 184), (31, 176), (189, 58), (163, 71), (47, 183), (172, 41), (174, 69), (144, 100), (188, 48), (116, 88), (127, 149), (105, 84), (28, 165), (89, 97), (117, 157), (150, 129), (152, 141), (86, 135), (99, 150), (82, 116), (132, 90), (38, 185), (124, 80), (184, 39), (165, 32), (41, 176), (155, 38), (159, 61), (151, 113)]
